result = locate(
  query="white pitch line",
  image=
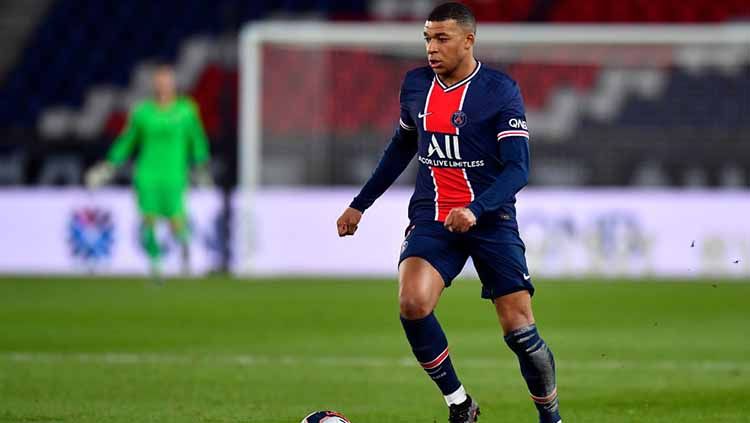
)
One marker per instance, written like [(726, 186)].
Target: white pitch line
[(122, 358)]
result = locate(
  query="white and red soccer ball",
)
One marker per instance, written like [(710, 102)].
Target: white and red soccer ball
[(325, 417)]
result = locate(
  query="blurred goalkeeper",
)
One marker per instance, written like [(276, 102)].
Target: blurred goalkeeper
[(169, 137)]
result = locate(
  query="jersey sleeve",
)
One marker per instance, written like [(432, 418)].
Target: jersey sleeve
[(406, 121), (125, 143), (199, 151), (511, 120), (396, 157), (513, 151)]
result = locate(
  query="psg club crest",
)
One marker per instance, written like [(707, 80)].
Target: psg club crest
[(458, 119), (91, 234)]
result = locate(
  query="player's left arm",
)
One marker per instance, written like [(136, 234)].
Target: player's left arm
[(513, 151), (199, 151)]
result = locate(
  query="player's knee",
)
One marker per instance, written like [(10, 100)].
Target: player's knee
[(514, 311), (518, 317), (512, 319), (413, 308)]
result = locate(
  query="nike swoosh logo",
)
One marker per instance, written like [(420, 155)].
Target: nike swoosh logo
[(526, 277), (421, 115)]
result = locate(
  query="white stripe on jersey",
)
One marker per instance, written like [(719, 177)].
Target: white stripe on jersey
[(434, 182), (513, 133), (461, 82), (468, 184), (405, 126)]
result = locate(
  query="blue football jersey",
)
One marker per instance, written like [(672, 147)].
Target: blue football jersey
[(471, 141)]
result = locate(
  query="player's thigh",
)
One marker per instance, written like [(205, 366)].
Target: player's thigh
[(173, 203), (419, 287), (501, 264), (442, 250), (161, 200), (149, 200)]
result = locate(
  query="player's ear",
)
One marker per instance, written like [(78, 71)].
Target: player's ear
[(470, 39)]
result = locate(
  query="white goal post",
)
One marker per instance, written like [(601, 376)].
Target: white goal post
[(718, 44)]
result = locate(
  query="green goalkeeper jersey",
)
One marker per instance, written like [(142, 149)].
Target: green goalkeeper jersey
[(169, 139)]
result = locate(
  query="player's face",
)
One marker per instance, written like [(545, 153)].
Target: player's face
[(448, 45), (164, 84)]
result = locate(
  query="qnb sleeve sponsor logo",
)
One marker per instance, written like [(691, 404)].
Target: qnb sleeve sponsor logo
[(518, 123), (518, 128)]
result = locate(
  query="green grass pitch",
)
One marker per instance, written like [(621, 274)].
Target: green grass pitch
[(218, 350)]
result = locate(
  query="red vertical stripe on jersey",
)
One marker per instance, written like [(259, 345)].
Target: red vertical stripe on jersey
[(440, 108), (452, 188)]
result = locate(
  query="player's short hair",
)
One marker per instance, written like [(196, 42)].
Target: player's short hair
[(456, 11)]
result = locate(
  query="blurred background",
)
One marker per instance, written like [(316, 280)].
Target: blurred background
[(641, 160), (635, 219)]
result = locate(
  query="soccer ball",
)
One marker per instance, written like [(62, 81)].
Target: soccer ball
[(325, 417)]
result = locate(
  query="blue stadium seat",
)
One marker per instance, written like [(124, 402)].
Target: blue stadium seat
[(80, 43), (708, 99)]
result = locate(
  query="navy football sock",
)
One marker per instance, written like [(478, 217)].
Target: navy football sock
[(430, 347), (538, 368)]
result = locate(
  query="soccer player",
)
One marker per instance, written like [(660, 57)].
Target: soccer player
[(466, 124), (168, 135)]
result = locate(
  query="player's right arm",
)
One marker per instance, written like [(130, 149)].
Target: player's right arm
[(396, 157), (104, 171), (125, 143)]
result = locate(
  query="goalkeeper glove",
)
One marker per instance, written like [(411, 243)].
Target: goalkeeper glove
[(202, 176), (100, 174)]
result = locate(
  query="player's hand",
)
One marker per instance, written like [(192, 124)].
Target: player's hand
[(99, 174), (460, 220), (347, 223), (202, 176)]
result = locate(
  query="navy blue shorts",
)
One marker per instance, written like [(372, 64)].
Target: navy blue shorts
[(495, 248)]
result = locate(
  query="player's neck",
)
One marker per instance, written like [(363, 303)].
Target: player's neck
[(165, 100), (462, 71)]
